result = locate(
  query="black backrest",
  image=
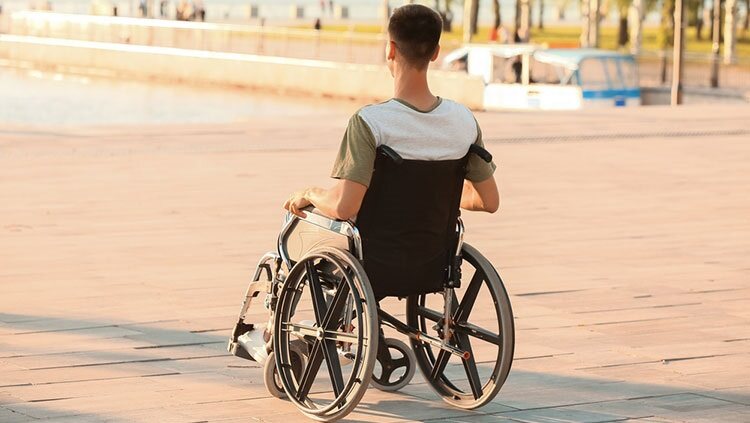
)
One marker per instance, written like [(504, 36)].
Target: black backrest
[(408, 223)]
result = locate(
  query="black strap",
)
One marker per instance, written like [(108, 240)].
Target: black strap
[(481, 152), (391, 154)]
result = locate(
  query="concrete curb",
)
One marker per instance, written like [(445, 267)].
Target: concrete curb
[(313, 77)]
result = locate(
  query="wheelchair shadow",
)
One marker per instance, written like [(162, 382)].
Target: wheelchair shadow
[(38, 383)]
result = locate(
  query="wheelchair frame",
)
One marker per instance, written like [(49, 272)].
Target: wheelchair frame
[(276, 266)]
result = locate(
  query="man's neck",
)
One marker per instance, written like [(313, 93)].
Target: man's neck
[(411, 86)]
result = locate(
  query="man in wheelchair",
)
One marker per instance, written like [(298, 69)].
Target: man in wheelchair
[(403, 170)]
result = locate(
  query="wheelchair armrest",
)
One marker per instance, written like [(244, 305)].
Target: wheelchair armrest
[(312, 210)]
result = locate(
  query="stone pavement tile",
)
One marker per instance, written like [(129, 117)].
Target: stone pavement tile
[(212, 387), (47, 392), (11, 416), (487, 418), (740, 394), (718, 363), (66, 375), (682, 407), (710, 381), (566, 414), (105, 403)]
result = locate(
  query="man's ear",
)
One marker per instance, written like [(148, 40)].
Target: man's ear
[(436, 53), (390, 54)]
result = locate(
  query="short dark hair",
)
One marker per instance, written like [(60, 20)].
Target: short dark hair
[(416, 30)]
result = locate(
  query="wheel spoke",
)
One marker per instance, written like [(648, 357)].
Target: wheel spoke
[(429, 314), (385, 376), (467, 302), (400, 362), (308, 375), (327, 317), (477, 332), (337, 306), (470, 366), (316, 291), (334, 366), (440, 363)]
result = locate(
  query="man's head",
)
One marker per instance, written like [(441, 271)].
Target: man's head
[(414, 31)]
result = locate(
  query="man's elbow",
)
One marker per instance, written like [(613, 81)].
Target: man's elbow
[(346, 211), (493, 205)]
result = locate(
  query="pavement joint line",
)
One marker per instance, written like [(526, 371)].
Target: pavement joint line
[(18, 412), (114, 363), (737, 340), (188, 344), (636, 308), (209, 330), (533, 294), (99, 379), (710, 291), (533, 357), (591, 402), (49, 399), (725, 400), (114, 325), (662, 361), (617, 136), (143, 347), (616, 322)]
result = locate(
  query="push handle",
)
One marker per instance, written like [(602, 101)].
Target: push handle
[(391, 153), (481, 152)]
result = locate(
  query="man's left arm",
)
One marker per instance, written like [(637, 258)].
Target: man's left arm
[(352, 168), (342, 201)]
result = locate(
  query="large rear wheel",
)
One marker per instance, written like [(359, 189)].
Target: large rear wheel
[(482, 324), (326, 301)]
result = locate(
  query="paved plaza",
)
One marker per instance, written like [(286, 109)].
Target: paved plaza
[(623, 239)]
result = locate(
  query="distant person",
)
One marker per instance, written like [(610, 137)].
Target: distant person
[(517, 69), (163, 8), (317, 26), (499, 35), (330, 7), (184, 11), (199, 10), (143, 8)]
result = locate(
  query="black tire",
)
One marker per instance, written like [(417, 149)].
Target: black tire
[(403, 366), (271, 378), (468, 389), (337, 319)]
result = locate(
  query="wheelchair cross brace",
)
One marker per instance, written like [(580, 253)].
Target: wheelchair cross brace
[(420, 336)]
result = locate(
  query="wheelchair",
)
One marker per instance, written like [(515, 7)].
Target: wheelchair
[(325, 339)]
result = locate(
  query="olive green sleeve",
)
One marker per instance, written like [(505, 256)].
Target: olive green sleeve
[(477, 170), (356, 158)]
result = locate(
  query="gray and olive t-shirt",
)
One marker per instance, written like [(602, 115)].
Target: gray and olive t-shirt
[(444, 132)]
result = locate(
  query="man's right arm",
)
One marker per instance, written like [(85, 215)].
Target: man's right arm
[(480, 196), (480, 189)]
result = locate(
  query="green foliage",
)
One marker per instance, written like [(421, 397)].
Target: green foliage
[(666, 29)]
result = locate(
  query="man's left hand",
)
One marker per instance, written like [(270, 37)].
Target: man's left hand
[(297, 202)]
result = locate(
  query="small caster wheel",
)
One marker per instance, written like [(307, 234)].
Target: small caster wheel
[(271, 378), (395, 366)]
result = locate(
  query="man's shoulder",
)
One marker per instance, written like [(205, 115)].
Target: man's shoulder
[(375, 109), (457, 107)]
